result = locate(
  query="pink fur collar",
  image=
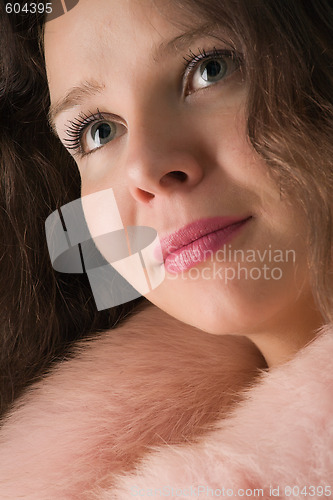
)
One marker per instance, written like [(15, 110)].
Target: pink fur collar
[(281, 437), (69, 437)]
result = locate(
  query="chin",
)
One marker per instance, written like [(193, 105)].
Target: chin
[(215, 308)]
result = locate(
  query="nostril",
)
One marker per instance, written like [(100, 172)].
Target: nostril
[(144, 196), (179, 175), (176, 174)]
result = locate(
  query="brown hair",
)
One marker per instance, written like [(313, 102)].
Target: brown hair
[(41, 312)]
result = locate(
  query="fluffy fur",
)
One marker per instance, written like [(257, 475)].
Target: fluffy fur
[(151, 381), (281, 435)]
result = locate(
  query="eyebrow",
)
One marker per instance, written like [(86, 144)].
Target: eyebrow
[(78, 94), (74, 97), (182, 40)]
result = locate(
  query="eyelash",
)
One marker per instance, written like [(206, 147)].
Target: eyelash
[(192, 59), (77, 127)]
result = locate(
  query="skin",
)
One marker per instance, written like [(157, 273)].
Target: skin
[(167, 125)]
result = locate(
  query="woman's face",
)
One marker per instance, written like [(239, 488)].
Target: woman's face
[(151, 103)]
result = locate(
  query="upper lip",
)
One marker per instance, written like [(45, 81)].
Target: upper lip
[(195, 230)]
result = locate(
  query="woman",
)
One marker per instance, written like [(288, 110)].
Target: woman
[(171, 142), (44, 313)]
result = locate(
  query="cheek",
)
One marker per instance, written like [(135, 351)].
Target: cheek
[(104, 222), (100, 172), (227, 146), (133, 251), (96, 174)]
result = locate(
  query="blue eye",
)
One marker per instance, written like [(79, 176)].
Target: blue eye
[(213, 70), (99, 134), (90, 132), (205, 69)]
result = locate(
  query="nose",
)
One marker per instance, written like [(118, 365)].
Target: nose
[(162, 162)]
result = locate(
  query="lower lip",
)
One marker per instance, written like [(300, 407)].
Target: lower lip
[(199, 250)]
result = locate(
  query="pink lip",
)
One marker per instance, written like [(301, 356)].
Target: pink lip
[(191, 244)]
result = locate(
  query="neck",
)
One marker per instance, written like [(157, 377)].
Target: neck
[(281, 340)]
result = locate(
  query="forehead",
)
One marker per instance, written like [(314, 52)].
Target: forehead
[(94, 37)]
